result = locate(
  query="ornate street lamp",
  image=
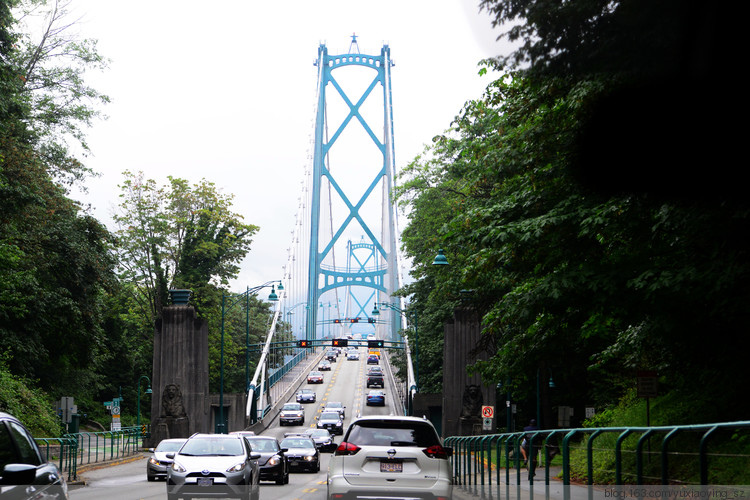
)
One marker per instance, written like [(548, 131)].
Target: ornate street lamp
[(220, 426)]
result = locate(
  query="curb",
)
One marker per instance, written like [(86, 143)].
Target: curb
[(81, 469)]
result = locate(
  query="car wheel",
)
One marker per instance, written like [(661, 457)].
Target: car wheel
[(151, 478), (171, 496)]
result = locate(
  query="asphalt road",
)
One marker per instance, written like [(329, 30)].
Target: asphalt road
[(345, 383)]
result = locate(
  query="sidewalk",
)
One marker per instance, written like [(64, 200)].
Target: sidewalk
[(519, 488)]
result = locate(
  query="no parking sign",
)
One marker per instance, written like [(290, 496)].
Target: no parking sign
[(488, 411)]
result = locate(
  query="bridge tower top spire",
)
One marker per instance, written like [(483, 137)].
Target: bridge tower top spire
[(354, 44)]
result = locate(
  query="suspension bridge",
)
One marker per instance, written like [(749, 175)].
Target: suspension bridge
[(343, 262)]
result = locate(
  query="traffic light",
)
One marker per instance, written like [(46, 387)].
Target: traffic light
[(375, 343), (337, 320), (354, 320), (371, 320), (340, 342), (303, 343)]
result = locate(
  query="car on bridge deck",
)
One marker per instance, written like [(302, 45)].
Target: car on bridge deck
[(376, 397), (390, 457), (372, 359), (335, 406), (158, 463), (292, 413), (322, 439), (301, 452), (215, 465), (306, 396), (324, 365), (274, 465), (331, 420), (352, 356), (315, 377)]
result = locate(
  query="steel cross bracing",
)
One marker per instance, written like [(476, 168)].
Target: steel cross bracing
[(382, 276)]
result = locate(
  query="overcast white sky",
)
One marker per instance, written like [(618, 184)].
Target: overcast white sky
[(224, 90)]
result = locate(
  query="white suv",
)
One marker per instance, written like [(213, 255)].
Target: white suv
[(390, 457)]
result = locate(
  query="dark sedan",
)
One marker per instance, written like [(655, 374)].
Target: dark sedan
[(273, 462), (301, 452)]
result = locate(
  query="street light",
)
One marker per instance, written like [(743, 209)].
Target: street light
[(148, 391), (272, 297), (440, 259), (551, 385), (388, 305)]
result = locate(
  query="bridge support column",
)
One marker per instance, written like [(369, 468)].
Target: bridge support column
[(180, 401), (463, 396)]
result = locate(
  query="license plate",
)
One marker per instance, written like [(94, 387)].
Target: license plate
[(205, 481), (391, 467)]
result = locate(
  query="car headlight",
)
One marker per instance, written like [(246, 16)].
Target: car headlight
[(178, 468), (153, 461), (274, 460), (309, 458), (236, 468)]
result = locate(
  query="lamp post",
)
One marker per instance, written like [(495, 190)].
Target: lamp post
[(220, 427), (551, 385), (388, 305), (148, 391)]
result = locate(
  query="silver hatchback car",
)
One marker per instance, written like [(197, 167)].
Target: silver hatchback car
[(390, 457), (214, 465)]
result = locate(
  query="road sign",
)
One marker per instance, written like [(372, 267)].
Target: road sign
[(648, 383), (488, 411), (115, 410), (486, 424)]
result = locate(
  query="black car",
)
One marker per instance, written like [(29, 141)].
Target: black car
[(331, 356), (22, 465), (301, 452), (273, 462)]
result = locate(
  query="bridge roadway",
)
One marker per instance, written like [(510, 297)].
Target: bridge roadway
[(346, 382)]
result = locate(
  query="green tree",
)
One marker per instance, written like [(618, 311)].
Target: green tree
[(52, 60), (178, 236), (588, 281)]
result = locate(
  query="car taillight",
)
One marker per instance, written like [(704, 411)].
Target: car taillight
[(347, 449), (436, 451)]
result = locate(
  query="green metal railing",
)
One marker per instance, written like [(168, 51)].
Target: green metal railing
[(476, 457), (82, 448)]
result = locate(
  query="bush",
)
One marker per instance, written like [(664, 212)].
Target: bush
[(27, 403)]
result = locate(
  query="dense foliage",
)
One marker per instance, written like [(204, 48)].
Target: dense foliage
[(78, 303), (581, 273)]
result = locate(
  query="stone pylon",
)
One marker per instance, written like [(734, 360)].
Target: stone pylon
[(180, 402)]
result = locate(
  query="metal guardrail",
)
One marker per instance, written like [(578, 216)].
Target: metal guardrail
[(83, 448), (475, 457)]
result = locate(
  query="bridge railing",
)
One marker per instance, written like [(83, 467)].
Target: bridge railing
[(476, 459), (83, 448)]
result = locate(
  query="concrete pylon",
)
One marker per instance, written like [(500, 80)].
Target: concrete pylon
[(180, 402)]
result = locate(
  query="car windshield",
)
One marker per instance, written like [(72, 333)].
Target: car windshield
[(305, 391), (319, 433), (169, 445), (199, 447), (315, 374), (333, 404), (291, 407), (390, 433), (329, 415), (297, 443), (261, 445)]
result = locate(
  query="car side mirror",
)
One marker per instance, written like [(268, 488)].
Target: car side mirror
[(284, 450), (18, 474), (151, 450), (254, 456), (170, 456)]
